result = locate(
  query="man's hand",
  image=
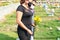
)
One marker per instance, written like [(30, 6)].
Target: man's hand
[(33, 25)]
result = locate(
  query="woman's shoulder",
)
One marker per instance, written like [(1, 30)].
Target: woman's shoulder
[(20, 8)]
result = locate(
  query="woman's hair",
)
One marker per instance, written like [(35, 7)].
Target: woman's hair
[(22, 1)]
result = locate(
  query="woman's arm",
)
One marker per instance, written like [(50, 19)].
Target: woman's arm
[(18, 20)]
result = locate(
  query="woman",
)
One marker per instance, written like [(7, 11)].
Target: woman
[(24, 20)]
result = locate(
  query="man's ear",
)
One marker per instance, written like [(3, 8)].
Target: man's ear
[(34, 2)]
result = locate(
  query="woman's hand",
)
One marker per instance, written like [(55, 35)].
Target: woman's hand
[(30, 32)]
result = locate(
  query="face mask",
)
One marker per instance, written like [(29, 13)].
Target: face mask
[(32, 7), (29, 4)]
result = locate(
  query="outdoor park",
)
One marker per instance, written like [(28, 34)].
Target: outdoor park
[(47, 17)]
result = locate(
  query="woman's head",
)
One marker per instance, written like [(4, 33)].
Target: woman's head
[(24, 1)]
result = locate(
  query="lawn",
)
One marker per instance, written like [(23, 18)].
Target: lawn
[(4, 3), (46, 30)]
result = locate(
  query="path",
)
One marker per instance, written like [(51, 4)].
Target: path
[(4, 10)]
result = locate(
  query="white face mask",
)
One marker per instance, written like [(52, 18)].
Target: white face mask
[(32, 7)]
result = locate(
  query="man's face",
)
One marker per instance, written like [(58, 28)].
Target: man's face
[(30, 0)]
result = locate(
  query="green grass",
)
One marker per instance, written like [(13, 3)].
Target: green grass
[(4, 3), (42, 30), (8, 36)]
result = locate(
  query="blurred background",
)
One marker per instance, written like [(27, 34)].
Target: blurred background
[(47, 29)]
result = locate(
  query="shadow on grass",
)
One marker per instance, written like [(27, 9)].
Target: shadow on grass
[(6, 37)]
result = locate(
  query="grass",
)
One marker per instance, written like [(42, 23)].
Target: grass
[(4, 3), (8, 36), (46, 32), (42, 30)]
